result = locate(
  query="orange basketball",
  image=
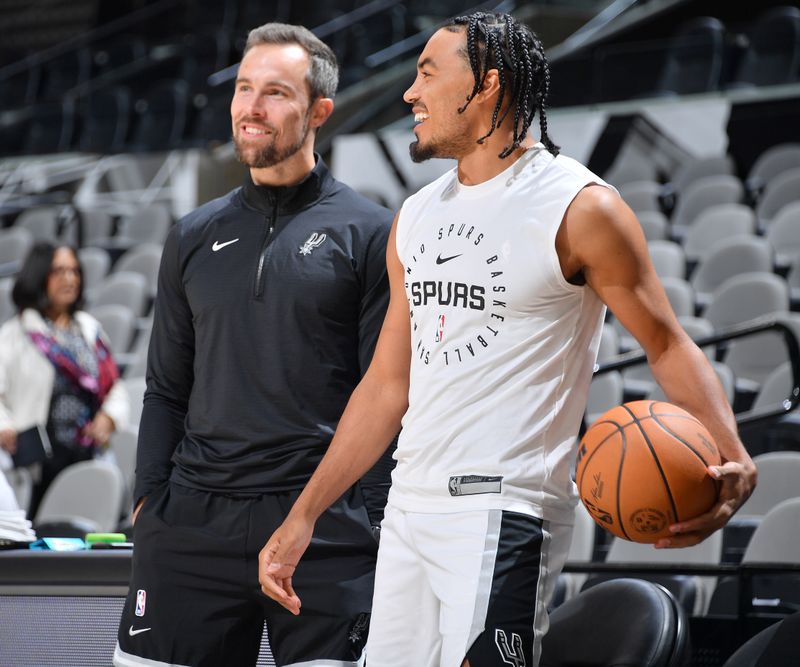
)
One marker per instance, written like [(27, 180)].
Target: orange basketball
[(642, 466)]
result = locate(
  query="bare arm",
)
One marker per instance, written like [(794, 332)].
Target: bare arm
[(601, 238), (368, 424)]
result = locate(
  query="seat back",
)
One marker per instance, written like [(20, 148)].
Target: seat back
[(773, 55), (89, 491), (619, 622), (780, 191), (122, 288), (694, 58), (778, 473)]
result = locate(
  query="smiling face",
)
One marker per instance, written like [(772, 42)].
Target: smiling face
[(63, 282), (271, 112), (444, 79)]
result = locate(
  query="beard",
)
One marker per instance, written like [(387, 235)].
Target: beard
[(454, 147), (272, 153)]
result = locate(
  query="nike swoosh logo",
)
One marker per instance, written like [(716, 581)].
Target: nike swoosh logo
[(219, 246), (442, 260), (133, 632)]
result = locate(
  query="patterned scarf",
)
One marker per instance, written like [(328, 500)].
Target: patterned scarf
[(95, 388)]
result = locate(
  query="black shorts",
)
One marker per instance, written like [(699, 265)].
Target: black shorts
[(194, 596)]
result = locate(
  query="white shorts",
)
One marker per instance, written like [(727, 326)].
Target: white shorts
[(467, 584)]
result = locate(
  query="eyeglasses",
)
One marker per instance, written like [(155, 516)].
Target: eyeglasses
[(63, 271)]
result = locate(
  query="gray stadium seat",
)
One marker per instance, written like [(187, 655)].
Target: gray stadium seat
[(772, 163), (735, 255), (745, 297), (668, 259), (605, 392), (778, 192), (784, 234), (654, 225), (778, 473), (143, 259), (95, 263), (703, 194), (641, 196), (149, 225), (716, 224), (123, 288), (119, 325), (7, 307), (698, 168), (680, 294), (89, 491), (41, 222)]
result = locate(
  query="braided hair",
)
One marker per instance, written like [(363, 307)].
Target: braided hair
[(499, 41)]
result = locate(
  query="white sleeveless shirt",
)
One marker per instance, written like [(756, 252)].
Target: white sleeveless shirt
[(503, 347)]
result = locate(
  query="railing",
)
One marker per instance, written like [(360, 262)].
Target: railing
[(770, 323)]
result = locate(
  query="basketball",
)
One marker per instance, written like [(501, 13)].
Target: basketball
[(642, 467)]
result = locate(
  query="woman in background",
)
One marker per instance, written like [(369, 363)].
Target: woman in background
[(56, 368)]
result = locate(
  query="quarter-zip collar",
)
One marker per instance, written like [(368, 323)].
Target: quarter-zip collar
[(289, 198)]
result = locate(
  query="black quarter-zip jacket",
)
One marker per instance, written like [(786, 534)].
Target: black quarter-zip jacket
[(270, 301)]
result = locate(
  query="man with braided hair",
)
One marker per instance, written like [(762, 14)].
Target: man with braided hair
[(500, 272)]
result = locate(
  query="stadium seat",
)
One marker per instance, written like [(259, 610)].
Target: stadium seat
[(715, 224), (654, 225), (680, 294), (778, 473), (51, 128), (161, 117), (774, 646), (696, 169), (123, 445), (784, 235), (41, 221), (694, 58), (143, 259), (778, 192), (772, 163), (149, 224), (642, 196), (122, 288), (753, 358), (106, 120), (745, 297), (119, 324), (775, 540), (95, 263), (619, 622), (135, 386), (702, 195), (7, 308), (15, 244), (668, 259), (693, 593), (605, 392), (729, 258), (609, 343), (89, 491), (773, 53)]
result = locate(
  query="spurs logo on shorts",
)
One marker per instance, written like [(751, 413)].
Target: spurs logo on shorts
[(313, 241), (512, 653)]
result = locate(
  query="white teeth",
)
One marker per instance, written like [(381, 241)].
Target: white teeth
[(419, 117), (253, 130)]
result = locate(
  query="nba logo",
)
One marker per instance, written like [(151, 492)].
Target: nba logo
[(141, 598), (440, 329)]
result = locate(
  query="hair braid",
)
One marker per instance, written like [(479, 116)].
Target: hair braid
[(498, 41)]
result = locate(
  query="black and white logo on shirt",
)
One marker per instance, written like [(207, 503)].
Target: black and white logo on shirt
[(313, 241)]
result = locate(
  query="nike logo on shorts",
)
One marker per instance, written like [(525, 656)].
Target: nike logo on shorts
[(133, 632), (219, 246), (442, 260)]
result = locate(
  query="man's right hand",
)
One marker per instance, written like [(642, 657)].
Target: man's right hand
[(278, 561), (8, 440)]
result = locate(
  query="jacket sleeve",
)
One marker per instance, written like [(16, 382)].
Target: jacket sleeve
[(374, 292), (170, 373)]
